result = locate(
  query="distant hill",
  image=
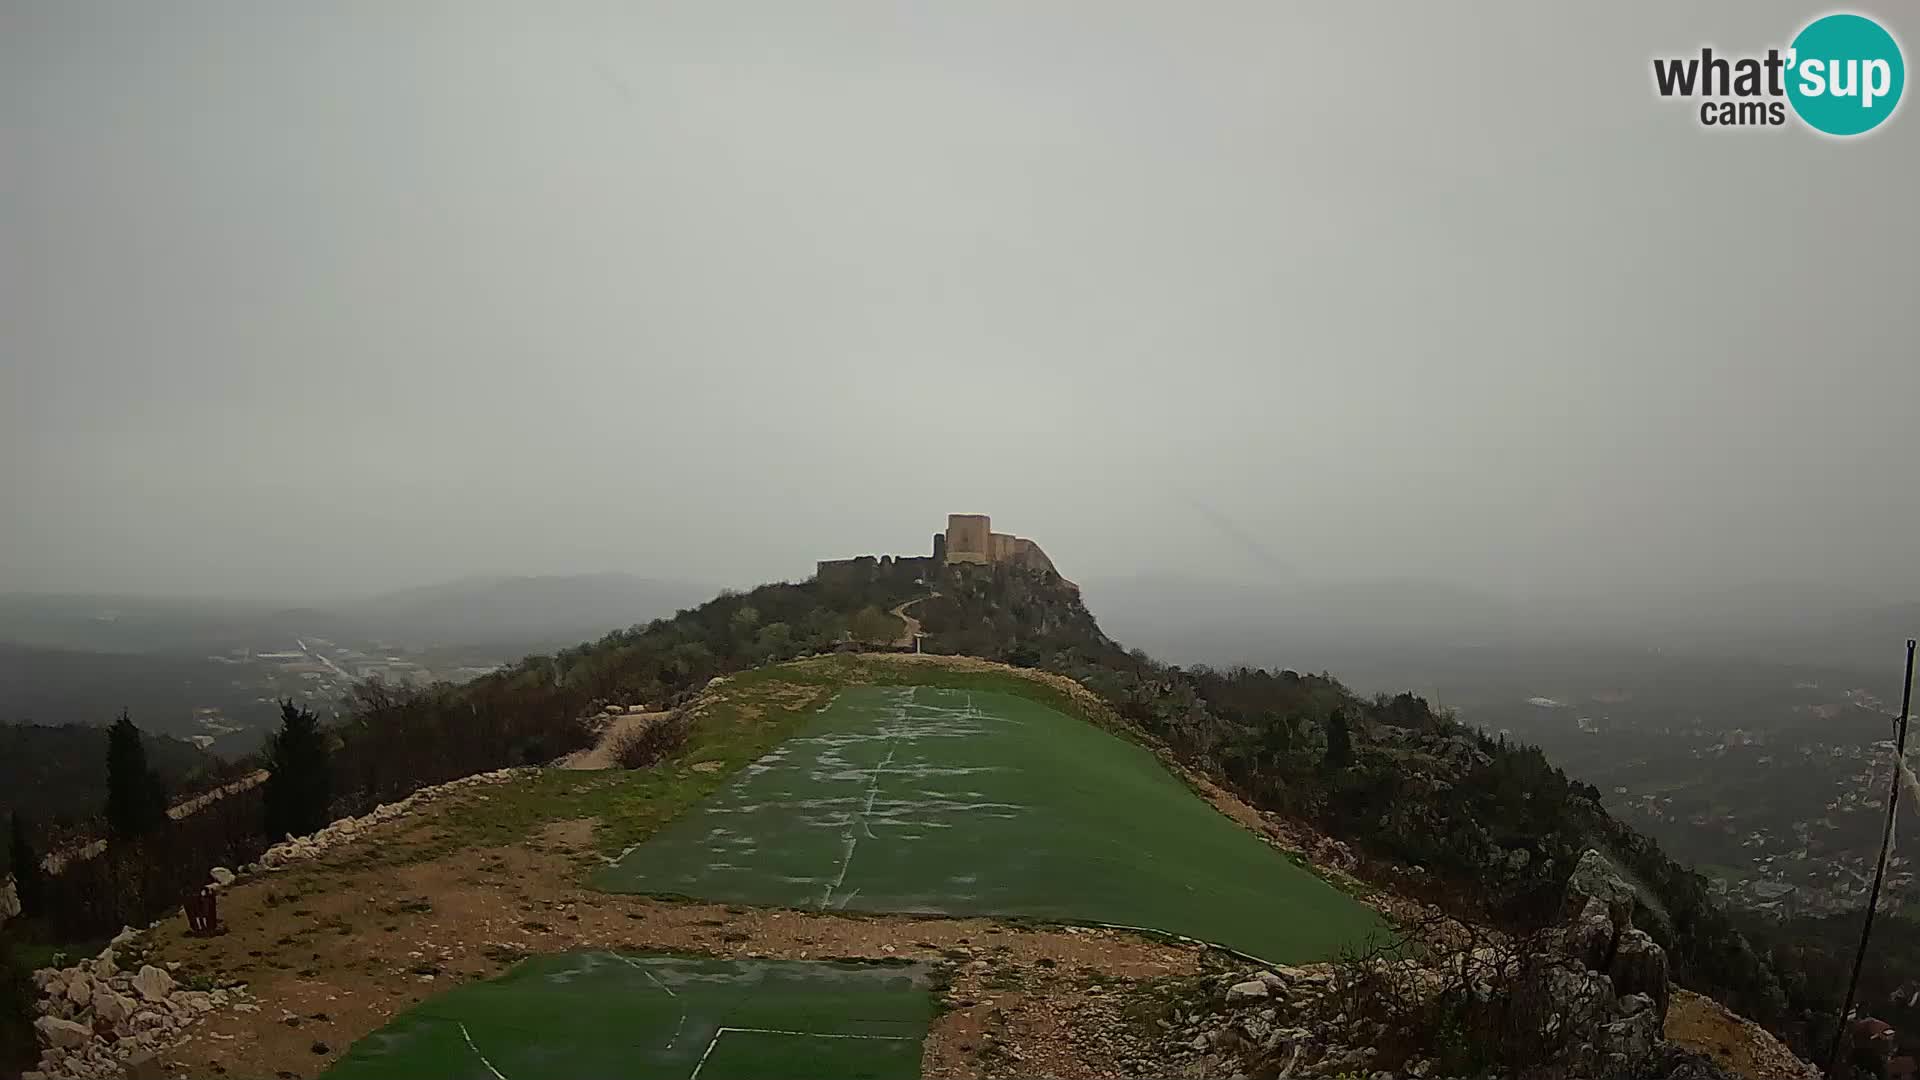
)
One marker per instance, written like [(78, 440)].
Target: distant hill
[(107, 623), (509, 615), (536, 613)]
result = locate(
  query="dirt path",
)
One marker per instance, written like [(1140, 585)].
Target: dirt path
[(912, 624), (331, 951), (600, 754)]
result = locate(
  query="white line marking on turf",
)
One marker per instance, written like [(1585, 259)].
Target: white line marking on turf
[(867, 811), (618, 859), (635, 964), (846, 860), (642, 969), (478, 1054), (777, 1031), (853, 841)]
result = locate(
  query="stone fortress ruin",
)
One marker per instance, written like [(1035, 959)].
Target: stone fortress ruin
[(969, 539)]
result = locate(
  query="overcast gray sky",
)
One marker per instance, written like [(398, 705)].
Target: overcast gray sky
[(297, 299)]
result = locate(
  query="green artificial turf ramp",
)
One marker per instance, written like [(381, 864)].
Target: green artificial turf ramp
[(601, 1014), (965, 802)]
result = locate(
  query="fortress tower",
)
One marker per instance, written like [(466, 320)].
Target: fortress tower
[(969, 538)]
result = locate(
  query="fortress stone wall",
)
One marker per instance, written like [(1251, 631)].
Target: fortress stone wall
[(971, 539), (968, 540), (864, 568)]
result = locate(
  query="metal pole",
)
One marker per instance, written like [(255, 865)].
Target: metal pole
[(1886, 842)]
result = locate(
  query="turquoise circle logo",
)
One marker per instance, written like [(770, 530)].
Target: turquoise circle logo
[(1846, 74)]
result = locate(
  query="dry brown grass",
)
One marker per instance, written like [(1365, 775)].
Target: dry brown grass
[(343, 945)]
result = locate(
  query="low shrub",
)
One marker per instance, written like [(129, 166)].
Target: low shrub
[(1473, 1001), (651, 743)]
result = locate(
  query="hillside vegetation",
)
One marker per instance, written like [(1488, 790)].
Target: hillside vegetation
[(54, 773), (1486, 828)]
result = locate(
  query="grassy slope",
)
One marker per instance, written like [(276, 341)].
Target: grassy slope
[(1052, 818), (734, 724)]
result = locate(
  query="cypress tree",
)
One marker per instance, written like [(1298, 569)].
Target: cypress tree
[(299, 789), (1339, 740), (136, 802)]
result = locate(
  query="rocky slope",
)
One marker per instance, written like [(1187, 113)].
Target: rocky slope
[(101, 1019)]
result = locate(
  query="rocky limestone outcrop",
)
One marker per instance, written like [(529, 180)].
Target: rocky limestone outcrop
[(1315, 1021), (1590, 936), (97, 1020), (1587, 998), (1599, 936), (1631, 960), (1595, 877), (1640, 967)]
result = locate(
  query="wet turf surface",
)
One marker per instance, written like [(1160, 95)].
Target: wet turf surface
[(917, 799), (602, 1014)]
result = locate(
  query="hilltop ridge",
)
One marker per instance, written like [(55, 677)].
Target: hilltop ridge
[(480, 872), (1385, 789)]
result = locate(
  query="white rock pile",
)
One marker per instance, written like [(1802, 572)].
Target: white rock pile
[(96, 1020), (299, 849), (1265, 1010)]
